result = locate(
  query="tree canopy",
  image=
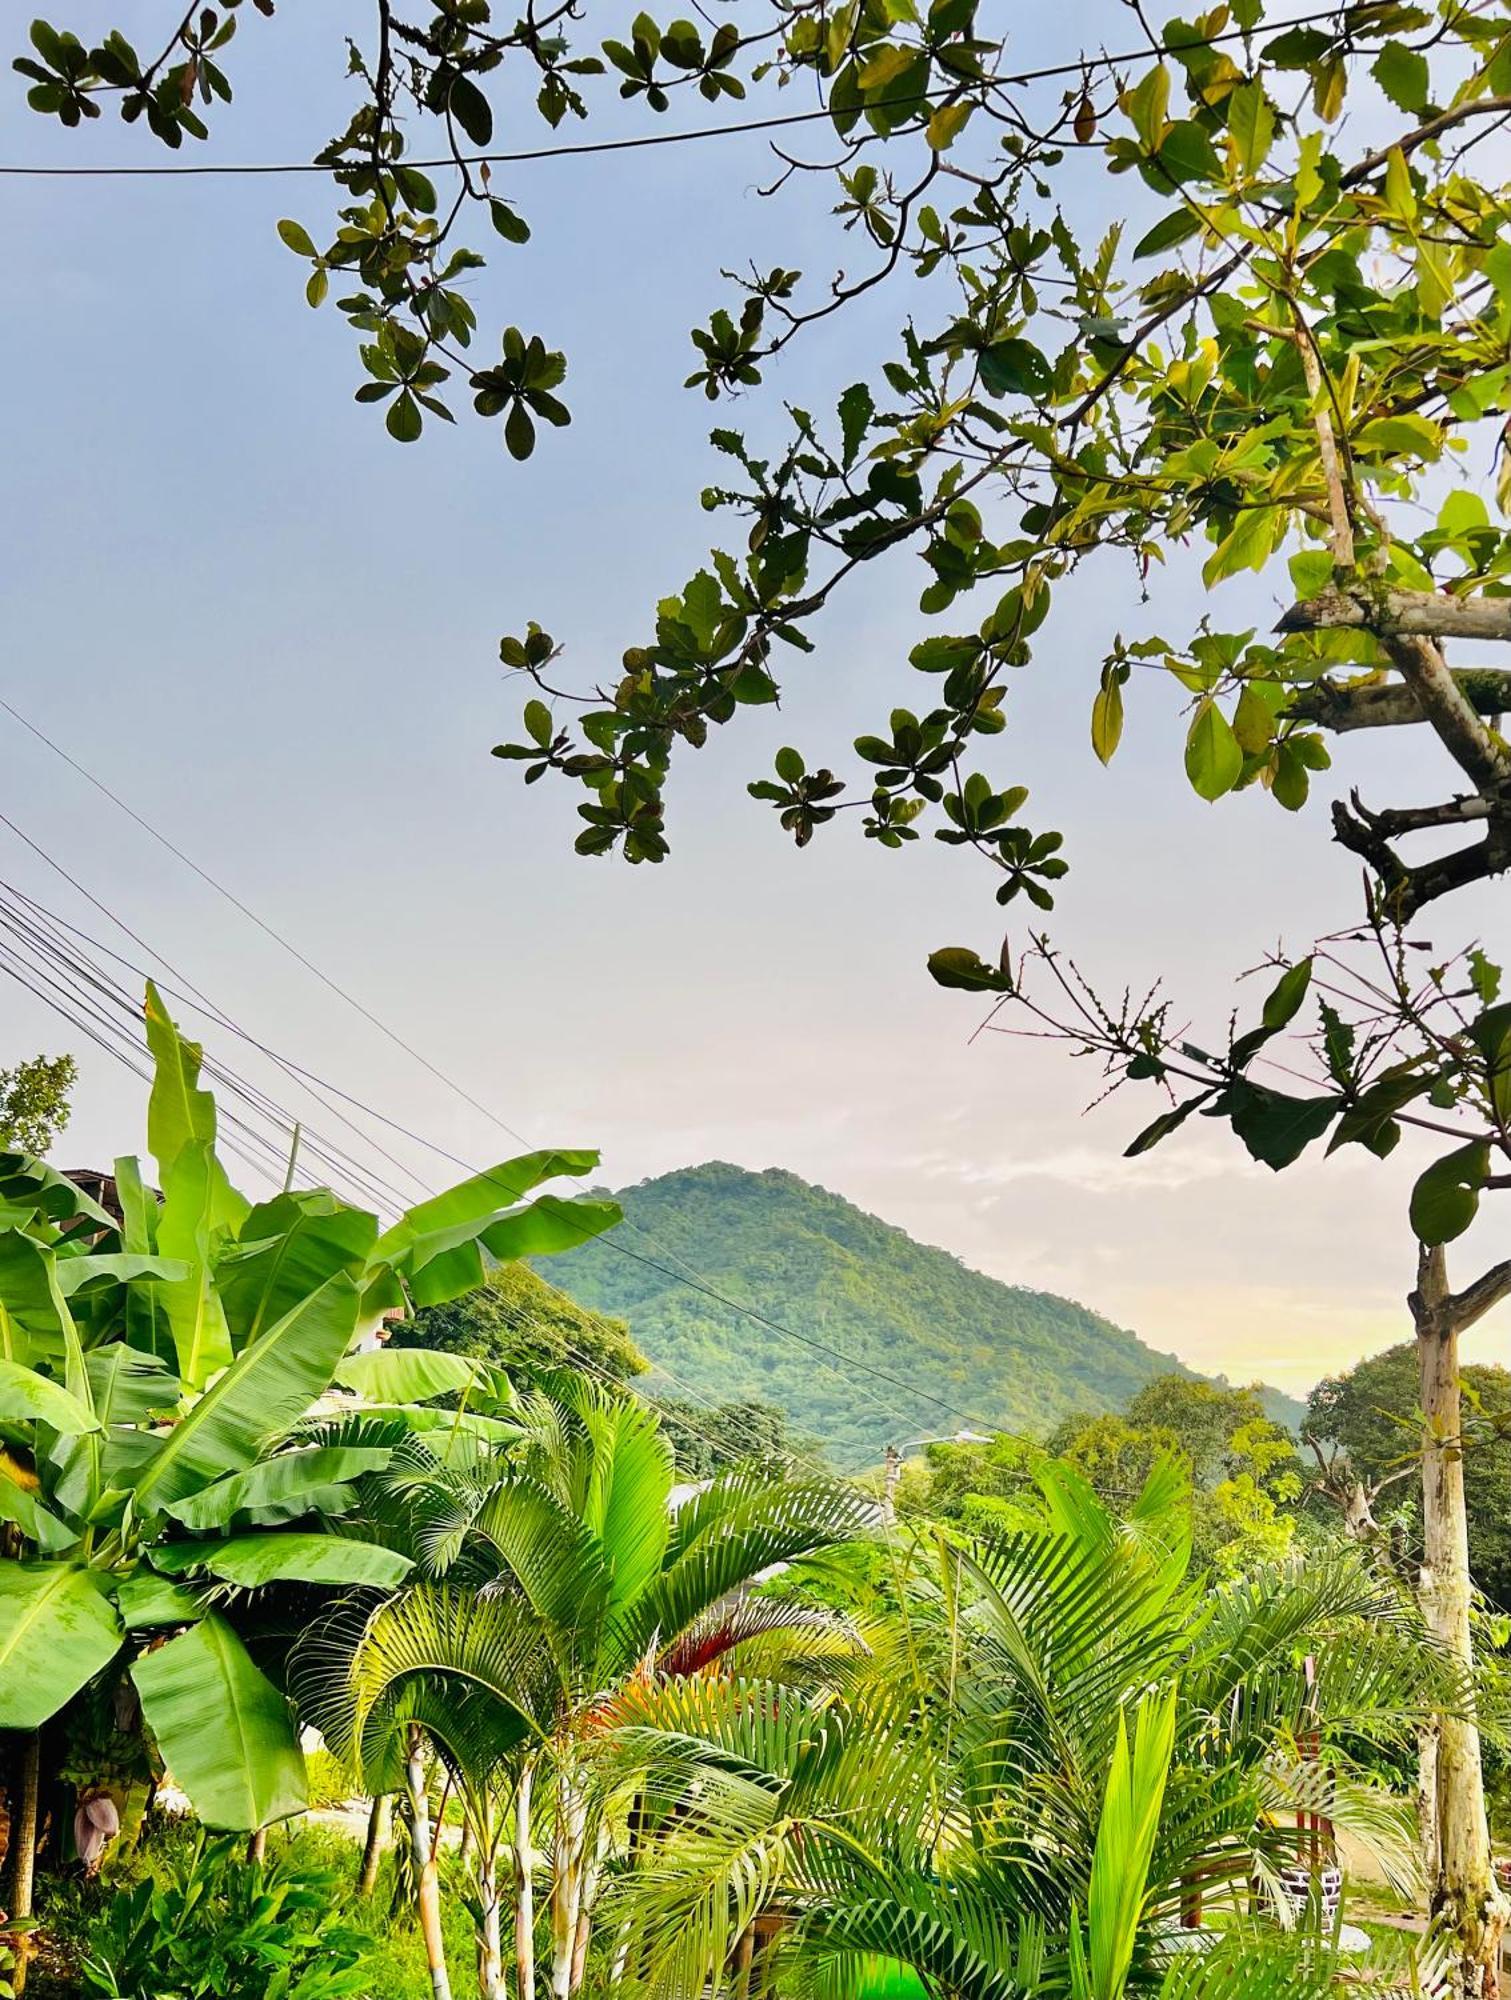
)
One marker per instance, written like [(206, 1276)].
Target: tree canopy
[(34, 1103)]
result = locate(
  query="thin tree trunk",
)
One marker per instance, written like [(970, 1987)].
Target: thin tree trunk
[(592, 1875), (566, 1884), (257, 1846), (490, 1948), (524, 1889), (744, 1955), (379, 1815), (1464, 1892), (1427, 1802), (429, 1893), (24, 1849)]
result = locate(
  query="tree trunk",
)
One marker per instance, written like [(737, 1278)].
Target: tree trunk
[(1427, 1802), (592, 1875), (429, 1893), (257, 1847), (566, 1883), (378, 1817), (490, 1949), (524, 1889), (1464, 1892), (24, 1849)]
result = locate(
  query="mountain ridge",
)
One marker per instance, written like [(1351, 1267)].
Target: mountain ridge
[(875, 1338)]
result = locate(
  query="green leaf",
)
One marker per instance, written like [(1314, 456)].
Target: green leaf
[(1107, 719), (268, 1385), (189, 1230), (519, 431), (1147, 105), (1179, 226), (224, 1730), (480, 1199), (1015, 368), (35, 1323), (1277, 1129), (1214, 762), (1447, 1196), (178, 1111), (1285, 997), (1125, 1840), (281, 1557), (856, 410), (297, 237), (1251, 121), (280, 1481), (1161, 1127), (956, 966), (146, 1600), (287, 1248), (1247, 545), (1186, 153), (1403, 75), (26, 1395), (403, 420), (57, 1630), (513, 228), (946, 125), (406, 1374)]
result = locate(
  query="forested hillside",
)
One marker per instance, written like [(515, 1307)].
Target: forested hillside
[(1000, 1354)]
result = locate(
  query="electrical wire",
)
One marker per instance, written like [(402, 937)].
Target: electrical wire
[(835, 1357), (1080, 66), (118, 1032)]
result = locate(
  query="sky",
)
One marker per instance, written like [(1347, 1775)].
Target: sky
[(273, 632)]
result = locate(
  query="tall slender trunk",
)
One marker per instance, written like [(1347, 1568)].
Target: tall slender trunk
[(257, 1846), (24, 1848), (566, 1882), (1464, 1892), (490, 1947), (1427, 1801), (379, 1814), (524, 1888), (592, 1875), (429, 1893)]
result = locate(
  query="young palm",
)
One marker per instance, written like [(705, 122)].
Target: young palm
[(550, 1588), (1092, 1746)]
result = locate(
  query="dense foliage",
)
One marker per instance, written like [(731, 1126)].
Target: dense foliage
[(815, 1263), (1371, 1413), (518, 1322), (34, 1103), (1243, 1469)]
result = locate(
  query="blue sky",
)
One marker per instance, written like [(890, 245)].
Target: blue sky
[(275, 632)]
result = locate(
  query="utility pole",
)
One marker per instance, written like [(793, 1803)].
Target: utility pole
[(892, 1459)]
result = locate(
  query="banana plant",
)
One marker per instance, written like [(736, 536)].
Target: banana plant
[(159, 1369)]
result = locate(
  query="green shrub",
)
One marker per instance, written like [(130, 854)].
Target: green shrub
[(214, 1924)]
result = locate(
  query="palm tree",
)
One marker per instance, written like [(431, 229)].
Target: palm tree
[(1091, 1750), (547, 1589)]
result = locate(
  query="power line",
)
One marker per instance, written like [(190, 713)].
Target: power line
[(1080, 66), (121, 1038), (119, 1035), (692, 1281)]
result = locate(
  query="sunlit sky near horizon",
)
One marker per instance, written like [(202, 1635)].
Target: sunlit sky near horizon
[(274, 632)]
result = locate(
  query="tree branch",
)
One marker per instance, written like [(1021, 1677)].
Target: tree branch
[(1477, 1299), (1422, 613), (1391, 704)]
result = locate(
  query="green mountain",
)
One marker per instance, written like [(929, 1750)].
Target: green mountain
[(913, 1323)]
